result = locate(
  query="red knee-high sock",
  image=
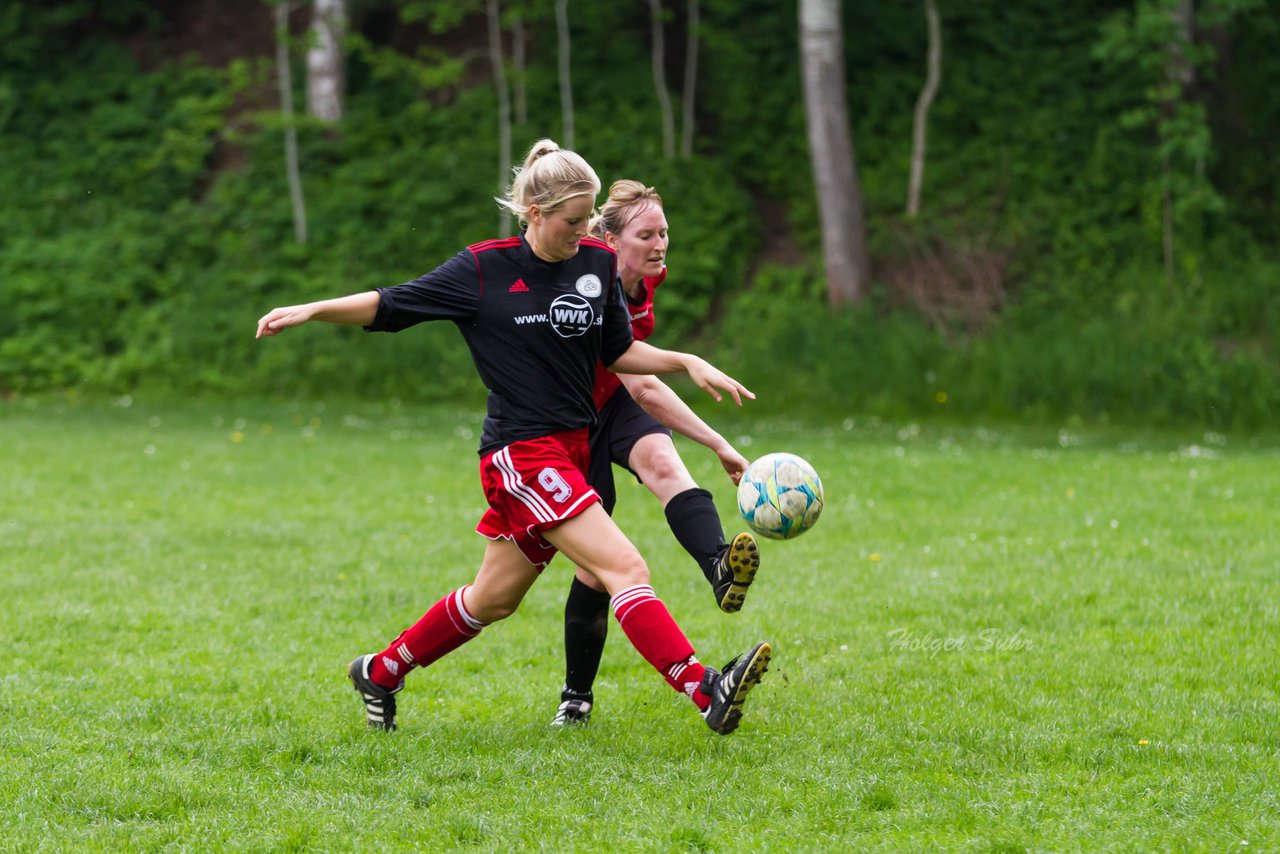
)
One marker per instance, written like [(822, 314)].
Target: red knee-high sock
[(654, 633), (441, 630)]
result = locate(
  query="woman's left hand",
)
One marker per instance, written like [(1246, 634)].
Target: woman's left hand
[(735, 465)]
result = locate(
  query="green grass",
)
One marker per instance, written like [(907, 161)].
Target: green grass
[(996, 639)]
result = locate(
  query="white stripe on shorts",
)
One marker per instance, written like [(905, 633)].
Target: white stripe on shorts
[(586, 496), (517, 487)]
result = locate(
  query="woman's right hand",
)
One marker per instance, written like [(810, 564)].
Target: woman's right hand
[(279, 319), (710, 379)]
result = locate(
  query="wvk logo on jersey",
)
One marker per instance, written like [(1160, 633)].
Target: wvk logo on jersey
[(571, 316)]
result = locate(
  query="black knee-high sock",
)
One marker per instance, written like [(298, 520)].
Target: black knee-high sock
[(586, 623), (693, 519)]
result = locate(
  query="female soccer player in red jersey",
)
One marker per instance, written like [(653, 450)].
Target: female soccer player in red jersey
[(635, 414), (538, 312)]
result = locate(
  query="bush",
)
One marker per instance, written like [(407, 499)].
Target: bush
[(147, 221), (1156, 360)]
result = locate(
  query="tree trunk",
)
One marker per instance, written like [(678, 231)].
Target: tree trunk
[(520, 61), (1181, 74), (919, 143), (660, 83), (285, 76), (326, 60), (566, 82), (835, 174), (504, 109), (690, 82)]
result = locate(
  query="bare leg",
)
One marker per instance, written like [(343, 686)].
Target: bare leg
[(504, 577), (654, 457), (595, 544)]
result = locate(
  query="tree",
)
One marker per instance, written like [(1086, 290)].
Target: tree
[(1156, 43), (690, 82), (496, 62), (1180, 74), (285, 77), (919, 138), (326, 60), (566, 85), (519, 61), (835, 174), (659, 81)]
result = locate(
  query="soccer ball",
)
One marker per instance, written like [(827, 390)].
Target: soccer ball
[(780, 496)]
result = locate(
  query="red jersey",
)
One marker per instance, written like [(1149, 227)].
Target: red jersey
[(641, 312)]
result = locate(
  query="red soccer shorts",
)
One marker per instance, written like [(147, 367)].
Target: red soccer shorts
[(534, 485)]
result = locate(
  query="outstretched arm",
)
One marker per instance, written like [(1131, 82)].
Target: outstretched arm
[(356, 309), (642, 358), (657, 398)]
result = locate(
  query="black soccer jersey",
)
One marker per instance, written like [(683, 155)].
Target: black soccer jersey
[(536, 329)]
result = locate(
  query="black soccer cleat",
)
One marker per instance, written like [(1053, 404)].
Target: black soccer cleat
[(728, 689), (379, 702), (575, 709), (734, 571)]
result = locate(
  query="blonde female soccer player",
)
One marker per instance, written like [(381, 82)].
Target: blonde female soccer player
[(538, 311)]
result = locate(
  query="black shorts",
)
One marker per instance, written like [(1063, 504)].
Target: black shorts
[(622, 424)]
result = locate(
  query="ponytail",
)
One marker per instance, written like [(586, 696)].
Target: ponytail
[(549, 177)]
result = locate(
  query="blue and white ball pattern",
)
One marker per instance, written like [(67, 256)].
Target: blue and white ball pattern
[(780, 496)]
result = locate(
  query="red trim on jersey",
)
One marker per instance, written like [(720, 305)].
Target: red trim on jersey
[(479, 272), (598, 243), (485, 246), (495, 243)]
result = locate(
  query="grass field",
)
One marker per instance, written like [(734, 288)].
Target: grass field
[(995, 640)]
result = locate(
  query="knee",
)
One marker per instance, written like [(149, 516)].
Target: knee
[(660, 464), (586, 579), (628, 572), (491, 609), (497, 611)]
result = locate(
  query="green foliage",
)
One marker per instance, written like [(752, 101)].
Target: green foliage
[(440, 17), (430, 69), (1246, 112), (797, 355), (148, 224), (1136, 356), (169, 301), (29, 30), (1164, 62)]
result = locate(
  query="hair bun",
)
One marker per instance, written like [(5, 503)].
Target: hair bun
[(541, 148)]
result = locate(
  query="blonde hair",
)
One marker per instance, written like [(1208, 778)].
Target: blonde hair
[(549, 178), (626, 199)]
